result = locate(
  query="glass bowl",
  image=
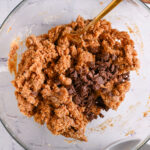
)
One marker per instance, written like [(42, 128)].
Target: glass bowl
[(37, 17)]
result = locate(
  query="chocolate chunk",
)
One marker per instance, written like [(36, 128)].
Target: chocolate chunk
[(91, 116), (84, 78), (71, 90), (91, 97), (76, 81), (90, 75), (101, 115), (106, 57), (81, 71), (116, 70), (112, 68), (87, 83), (107, 64), (91, 65), (113, 57), (103, 90), (126, 76), (99, 57), (57, 82), (93, 50), (99, 80), (96, 87), (99, 63), (96, 69), (71, 70), (83, 103), (109, 75), (78, 86), (103, 75), (110, 94), (120, 79), (74, 74), (74, 129), (90, 100), (100, 103), (84, 91), (34, 93), (96, 76), (93, 72), (89, 104), (102, 67), (77, 99), (123, 77)]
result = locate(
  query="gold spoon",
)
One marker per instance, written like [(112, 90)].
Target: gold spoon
[(75, 36)]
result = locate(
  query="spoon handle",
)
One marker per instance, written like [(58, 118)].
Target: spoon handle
[(104, 12)]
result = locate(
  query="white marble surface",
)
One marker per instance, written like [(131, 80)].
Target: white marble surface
[(6, 142)]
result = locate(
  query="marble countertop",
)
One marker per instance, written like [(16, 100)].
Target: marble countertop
[(6, 142)]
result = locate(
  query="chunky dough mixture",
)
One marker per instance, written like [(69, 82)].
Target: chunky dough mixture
[(65, 85)]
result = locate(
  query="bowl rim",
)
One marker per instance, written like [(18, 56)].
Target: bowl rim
[(1, 26), (19, 5)]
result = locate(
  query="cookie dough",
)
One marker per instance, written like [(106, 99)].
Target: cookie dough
[(65, 85)]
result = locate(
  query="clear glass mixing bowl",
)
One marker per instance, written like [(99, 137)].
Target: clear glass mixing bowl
[(38, 16)]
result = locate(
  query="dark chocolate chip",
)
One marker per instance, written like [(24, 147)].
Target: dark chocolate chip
[(93, 50), (110, 94), (113, 57), (91, 97), (89, 82), (126, 76), (101, 115), (103, 90), (99, 80), (112, 68), (102, 68), (106, 57), (34, 93), (90, 75), (91, 116), (77, 99), (91, 65), (96, 87), (93, 72), (103, 75), (84, 91), (83, 103), (71, 70), (123, 77), (107, 64), (84, 78), (71, 90), (58, 83), (109, 75), (120, 78), (89, 104), (85, 84), (98, 57), (99, 102), (74, 75)]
